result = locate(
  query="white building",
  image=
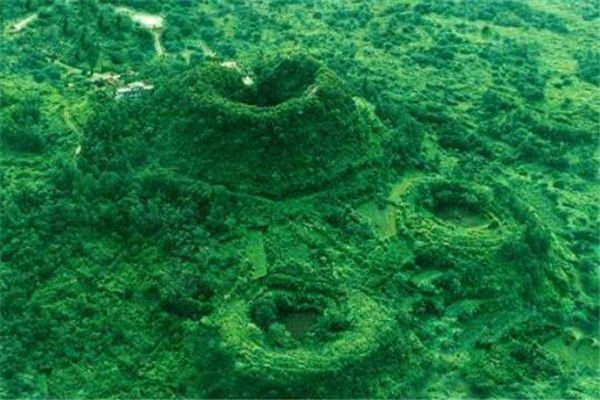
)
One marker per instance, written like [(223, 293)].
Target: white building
[(132, 89)]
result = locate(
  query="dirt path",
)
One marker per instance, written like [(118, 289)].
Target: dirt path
[(70, 124), (70, 69), (208, 52), (96, 76), (20, 25), (158, 48), (148, 21), (73, 127), (152, 22)]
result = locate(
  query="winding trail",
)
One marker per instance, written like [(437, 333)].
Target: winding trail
[(73, 127), (70, 124), (151, 22)]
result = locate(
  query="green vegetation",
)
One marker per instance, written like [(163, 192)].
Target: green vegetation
[(299, 199)]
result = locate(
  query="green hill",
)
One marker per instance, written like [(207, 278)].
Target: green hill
[(299, 199)]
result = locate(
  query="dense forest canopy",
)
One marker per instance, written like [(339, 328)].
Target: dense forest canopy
[(299, 199)]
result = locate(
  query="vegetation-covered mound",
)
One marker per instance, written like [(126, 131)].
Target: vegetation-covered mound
[(458, 223), (289, 126), (414, 215)]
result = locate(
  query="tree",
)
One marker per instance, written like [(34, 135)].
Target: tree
[(214, 366), (588, 65), (265, 312), (538, 239), (20, 128)]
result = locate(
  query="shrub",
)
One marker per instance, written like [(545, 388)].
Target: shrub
[(264, 312), (588, 65)]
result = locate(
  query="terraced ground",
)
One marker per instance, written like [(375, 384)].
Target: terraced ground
[(317, 199)]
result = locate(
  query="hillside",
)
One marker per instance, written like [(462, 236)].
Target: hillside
[(299, 199)]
